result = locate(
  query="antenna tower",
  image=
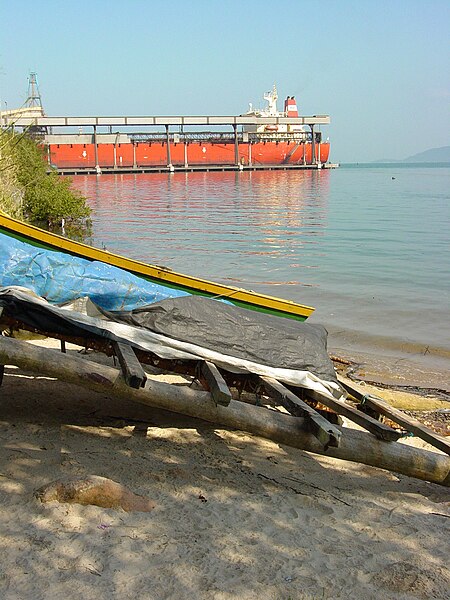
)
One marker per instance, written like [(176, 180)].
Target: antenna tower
[(34, 95)]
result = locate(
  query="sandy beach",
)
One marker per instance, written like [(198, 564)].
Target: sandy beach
[(236, 516)]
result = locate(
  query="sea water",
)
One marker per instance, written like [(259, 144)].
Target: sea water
[(368, 246)]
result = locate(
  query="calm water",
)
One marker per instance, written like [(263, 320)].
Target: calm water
[(369, 247)]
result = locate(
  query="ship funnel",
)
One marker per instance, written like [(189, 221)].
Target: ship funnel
[(290, 107)]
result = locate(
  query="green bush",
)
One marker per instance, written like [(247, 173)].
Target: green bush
[(51, 199), (46, 198)]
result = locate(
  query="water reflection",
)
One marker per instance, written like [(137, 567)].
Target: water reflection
[(251, 227)]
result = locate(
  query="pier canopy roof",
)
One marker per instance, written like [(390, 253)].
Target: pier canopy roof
[(29, 121)]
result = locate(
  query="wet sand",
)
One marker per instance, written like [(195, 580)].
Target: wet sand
[(414, 372)]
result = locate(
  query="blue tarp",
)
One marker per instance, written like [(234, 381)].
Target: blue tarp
[(61, 278)]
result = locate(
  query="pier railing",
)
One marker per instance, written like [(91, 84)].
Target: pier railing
[(224, 137)]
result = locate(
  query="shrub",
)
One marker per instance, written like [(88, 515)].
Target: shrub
[(45, 197), (51, 199)]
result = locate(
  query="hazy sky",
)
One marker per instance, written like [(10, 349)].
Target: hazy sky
[(379, 68)]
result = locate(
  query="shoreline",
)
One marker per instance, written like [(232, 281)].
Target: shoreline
[(390, 370), (393, 359)]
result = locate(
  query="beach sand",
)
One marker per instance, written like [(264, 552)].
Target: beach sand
[(236, 516)]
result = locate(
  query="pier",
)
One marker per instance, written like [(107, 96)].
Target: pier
[(190, 169), (115, 144)]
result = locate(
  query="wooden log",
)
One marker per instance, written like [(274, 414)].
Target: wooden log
[(215, 383), (356, 446), (2, 367), (132, 370), (379, 430), (323, 430), (409, 423)]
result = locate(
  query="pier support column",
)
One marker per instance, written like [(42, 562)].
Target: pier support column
[(236, 145), (169, 158), (313, 146), (185, 155), (97, 166), (250, 154), (116, 145), (134, 155)]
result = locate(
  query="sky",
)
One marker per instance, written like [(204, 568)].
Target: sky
[(379, 68)]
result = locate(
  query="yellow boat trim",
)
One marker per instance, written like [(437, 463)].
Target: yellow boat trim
[(159, 273)]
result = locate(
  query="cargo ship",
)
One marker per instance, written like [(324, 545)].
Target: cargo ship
[(275, 138)]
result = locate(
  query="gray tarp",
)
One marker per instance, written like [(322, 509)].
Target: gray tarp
[(242, 333), (234, 339)]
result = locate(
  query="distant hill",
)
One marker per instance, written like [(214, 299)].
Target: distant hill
[(432, 155)]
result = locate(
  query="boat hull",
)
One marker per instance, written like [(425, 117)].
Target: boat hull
[(163, 276), (154, 154)]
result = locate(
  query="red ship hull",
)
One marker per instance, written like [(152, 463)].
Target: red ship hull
[(145, 154)]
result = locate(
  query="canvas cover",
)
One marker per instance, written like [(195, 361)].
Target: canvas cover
[(59, 277), (242, 333), (194, 328)]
